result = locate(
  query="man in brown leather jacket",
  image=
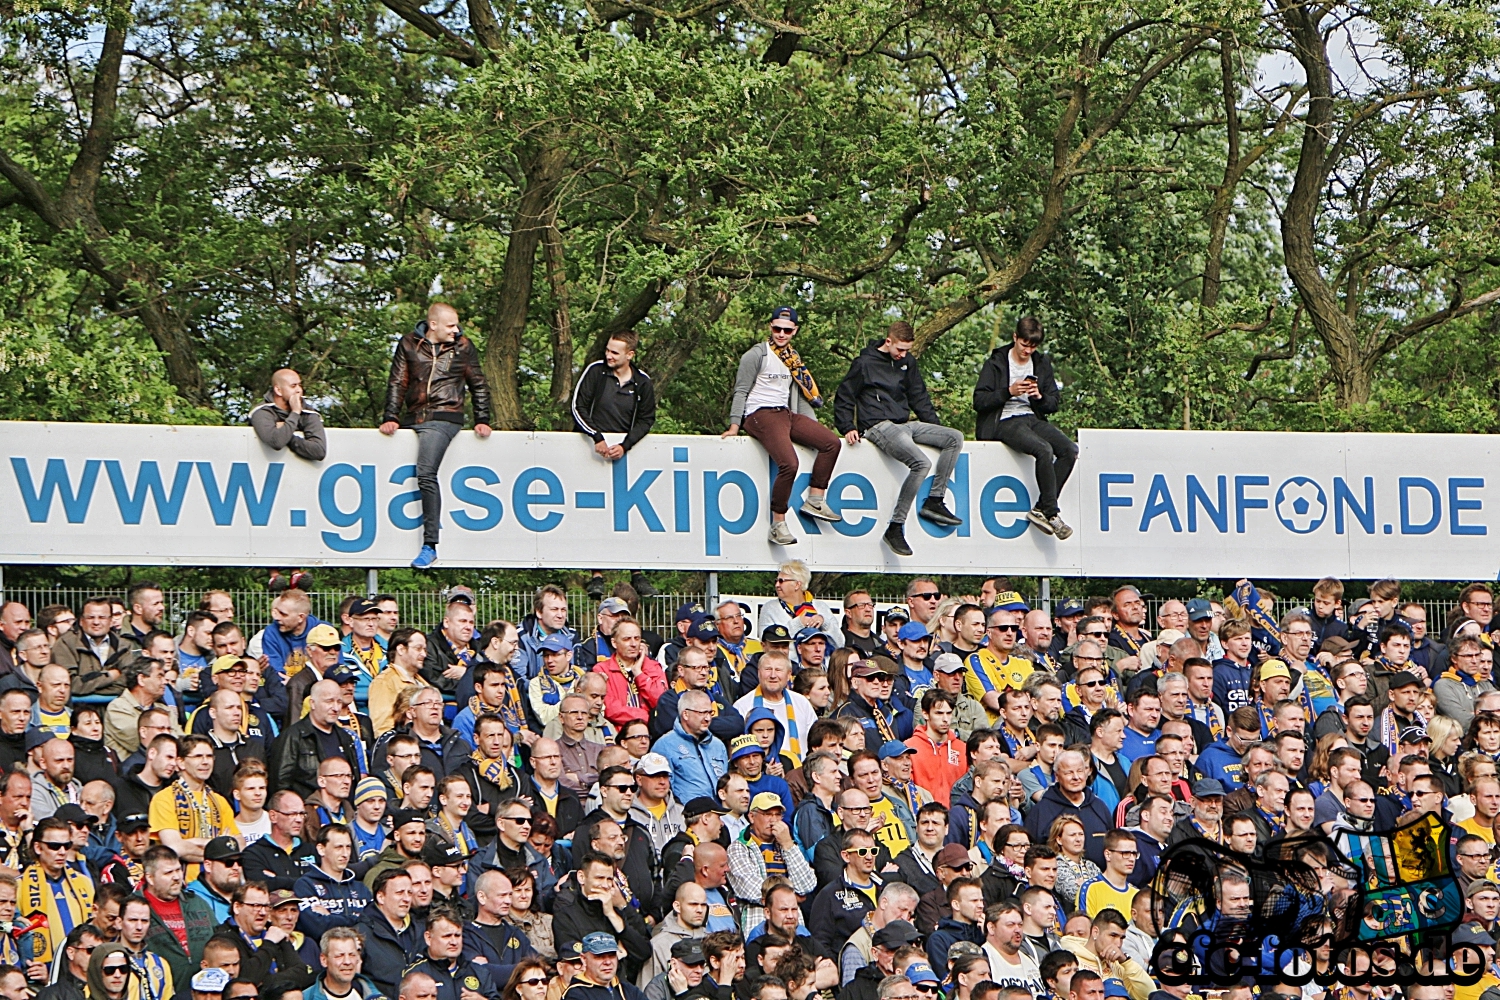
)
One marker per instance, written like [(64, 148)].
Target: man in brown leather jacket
[(432, 366)]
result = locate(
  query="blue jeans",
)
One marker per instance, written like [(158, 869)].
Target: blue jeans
[(433, 439), (900, 442)]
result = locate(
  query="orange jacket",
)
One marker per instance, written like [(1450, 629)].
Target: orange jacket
[(619, 705), (937, 767)]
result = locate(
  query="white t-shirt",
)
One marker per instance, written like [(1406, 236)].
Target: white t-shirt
[(1016, 406), (1024, 973), (773, 386), (254, 831)]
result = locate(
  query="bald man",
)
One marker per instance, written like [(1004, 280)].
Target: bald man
[(429, 372), (686, 921), (284, 421)]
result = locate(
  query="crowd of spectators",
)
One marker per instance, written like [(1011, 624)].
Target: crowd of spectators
[(961, 795)]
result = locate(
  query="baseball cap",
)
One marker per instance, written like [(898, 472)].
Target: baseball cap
[(401, 817), (281, 897), (1480, 884), (1071, 608), (598, 943), (951, 856), (74, 815), (438, 853), (1404, 679), (912, 631), (688, 611), (784, 312), (365, 606), (324, 635), (1414, 734), (808, 635), (133, 822), (689, 951), (225, 663), (775, 633), (702, 806), (959, 949), (947, 663), (556, 643), (1208, 788), (1472, 934), (896, 934), (342, 673), (743, 746), (369, 787), (1009, 600), (222, 849), (921, 972), (1114, 988), (653, 763), (893, 748), (897, 614), (874, 667), (210, 980), (703, 627), (39, 737), (1274, 668), (461, 595), (1199, 609), (613, 606), (766, 801)]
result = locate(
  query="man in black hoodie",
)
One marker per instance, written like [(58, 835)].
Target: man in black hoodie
[(1015, 392), (881, 390)]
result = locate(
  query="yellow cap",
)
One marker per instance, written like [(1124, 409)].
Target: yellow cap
[(324, 635), (766, 801), (224, 663), (1274, 668)]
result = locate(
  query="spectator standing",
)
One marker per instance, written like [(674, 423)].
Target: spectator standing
[(549, 617), (777, 399), (635, 681), (431, 368), (450, 653), (407, 651), (54, 888), (187, 814), (875, 401), (302, 746), (284, 421), (1016, 391), (284, 644)]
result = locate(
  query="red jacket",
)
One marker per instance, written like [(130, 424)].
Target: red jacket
[(626, 702), (937, 767)]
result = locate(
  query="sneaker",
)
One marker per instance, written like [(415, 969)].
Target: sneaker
[(895, 537), (933, 509), (642, 585), (425, 558), (819, 509), (781, 534), (1059, 526), (1042, 521), (595, 588)]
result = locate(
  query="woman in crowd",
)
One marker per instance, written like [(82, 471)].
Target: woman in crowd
[(537, 925), (813, 685), (92, 759), (840, 668), (1317, 769), (1484, 734), (528, 980), (1446, 735), (1068, 838)]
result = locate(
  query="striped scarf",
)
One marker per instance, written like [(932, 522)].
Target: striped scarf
[(1246, 601), (632, 693), (680, 686), (152, 969), (462, 838), (1015, 741), (1130, 644), (36, 895), (735, 657), (494, 771), (771, 857), (1390, 729), (197, 814), (793, 744), (907, 790), (799, 371), (555, 689), (510, 704), (350, 725)]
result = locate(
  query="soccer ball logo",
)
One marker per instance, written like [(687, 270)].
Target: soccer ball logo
[(1301, 505)]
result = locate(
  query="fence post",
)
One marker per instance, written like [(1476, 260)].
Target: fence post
[(713, 590), (372, 582), (1046, 601)]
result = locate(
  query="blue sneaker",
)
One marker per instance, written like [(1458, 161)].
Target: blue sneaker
[(425, 558)]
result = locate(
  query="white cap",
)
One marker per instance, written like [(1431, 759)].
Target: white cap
[(653, 763)]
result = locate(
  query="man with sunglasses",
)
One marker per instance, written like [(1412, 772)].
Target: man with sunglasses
[(53, 888), (1091, 687), (220, 875), (78, 948), (1015, 392), (839, 908), (995, 667)]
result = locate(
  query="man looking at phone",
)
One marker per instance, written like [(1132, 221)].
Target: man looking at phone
[(1015, 392)]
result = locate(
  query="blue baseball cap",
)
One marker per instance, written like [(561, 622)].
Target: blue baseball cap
[(1069, 608), (921, 972), (893, 748), (703, 627), (784, 312), (808, 635), (1199, 609), (688, 611), (557, 643), (1115, 988), (912, 631), (897, 614), (599, 943)]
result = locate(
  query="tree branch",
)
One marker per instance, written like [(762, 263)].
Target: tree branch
[(412, 13)]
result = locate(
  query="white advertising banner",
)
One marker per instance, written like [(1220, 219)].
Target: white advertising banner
[(1143, 503), (160, 495)]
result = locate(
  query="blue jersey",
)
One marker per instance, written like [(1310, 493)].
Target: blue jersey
[(1222, 763), (1138, 746)]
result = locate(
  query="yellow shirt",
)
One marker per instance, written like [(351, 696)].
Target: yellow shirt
[(192, 814), (1097, 895), (1478, 829), (1473, 992), (985, 672), (893, 832)]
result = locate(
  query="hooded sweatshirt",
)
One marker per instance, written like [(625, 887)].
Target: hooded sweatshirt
[(344, 898), (769, 782)]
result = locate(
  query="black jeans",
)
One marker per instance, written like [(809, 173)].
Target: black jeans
[(1054, 452), (433, 439)]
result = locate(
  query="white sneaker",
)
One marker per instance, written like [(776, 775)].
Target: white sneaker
[(1042, 522), (819, 509), (781, 534), (1059, 526)]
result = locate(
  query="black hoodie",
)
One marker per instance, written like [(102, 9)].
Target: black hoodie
[(878, 387)]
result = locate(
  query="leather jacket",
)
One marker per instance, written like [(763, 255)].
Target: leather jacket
[(427, 380)]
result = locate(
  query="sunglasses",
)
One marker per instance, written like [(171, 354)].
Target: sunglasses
[(55, 845), (784, 329), (111, 970), (1096, 635), (532, 982), (865, 852), (927, 988), (931, 595), (1005, 628), (1090, 684), (622, 788), (523, 820)]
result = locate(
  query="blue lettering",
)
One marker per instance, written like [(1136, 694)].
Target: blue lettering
[(396, 510), (1406, 484), (1197, 496), (1344, 497), (522, 499), (55, 480), (363, 513), (682, 511), (1106, 499), (493, 509), (1158, 503), (866, 500), (148, 480), (240, 485), (990, 504), (630, 495), (1456, 504), (960, 488), (713, 517), (1243, 503), (811, 525)]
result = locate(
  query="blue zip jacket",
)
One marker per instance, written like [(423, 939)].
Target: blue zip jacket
[(345, 900), (697, 762), (1220, 762)]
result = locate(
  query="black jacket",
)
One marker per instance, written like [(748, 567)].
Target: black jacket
[(451, 753), (132, 795), (992, 391), (837, 911), (639, 865), (440, 656), (589, 416), (93, 761), (463, 975), (386, 950), (255, 962), (482, 821), (265, 861), (428, 380), (570, 924), (67, 987), (878, 387), (865, 985), (828, 861), (295, 757)]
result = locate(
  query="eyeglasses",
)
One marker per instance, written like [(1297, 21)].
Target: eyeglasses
[(1366, 800), (860, 604), (523, 820), (532, 982), (864, 852), (857, 810), (931, 595)]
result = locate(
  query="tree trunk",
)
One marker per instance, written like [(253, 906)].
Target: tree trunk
[(507, 323), (702, 306), (562, 323)]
